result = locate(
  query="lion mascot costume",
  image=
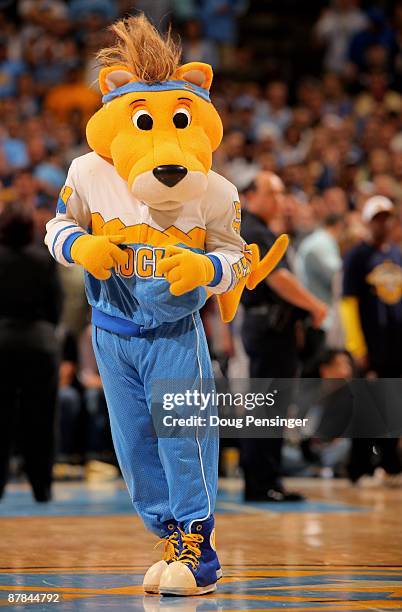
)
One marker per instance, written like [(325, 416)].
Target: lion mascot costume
[(157, 232)]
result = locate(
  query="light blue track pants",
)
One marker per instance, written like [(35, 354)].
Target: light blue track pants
[(167, 478)]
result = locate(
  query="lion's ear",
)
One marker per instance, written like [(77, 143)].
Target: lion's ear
[(112, 77), (196, 73)]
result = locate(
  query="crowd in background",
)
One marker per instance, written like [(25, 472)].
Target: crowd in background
[(333, 137)]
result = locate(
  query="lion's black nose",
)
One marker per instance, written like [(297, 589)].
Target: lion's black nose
[(169, 175)]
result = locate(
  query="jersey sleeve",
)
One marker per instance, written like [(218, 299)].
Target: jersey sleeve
[(224, 245), (72, 216)]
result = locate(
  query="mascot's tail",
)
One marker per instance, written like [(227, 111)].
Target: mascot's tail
[(260, 269)]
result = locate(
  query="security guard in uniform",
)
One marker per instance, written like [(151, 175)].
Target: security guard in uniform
[(268, 333)]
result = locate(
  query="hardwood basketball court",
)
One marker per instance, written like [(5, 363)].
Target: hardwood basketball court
[(339, 551)]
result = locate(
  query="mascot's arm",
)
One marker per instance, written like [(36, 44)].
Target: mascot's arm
[(260, 269), (229, 265), (241, 265), (69, 243), (354, 337), (224, 262)]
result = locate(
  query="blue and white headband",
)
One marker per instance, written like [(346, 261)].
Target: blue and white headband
[(136, 86)]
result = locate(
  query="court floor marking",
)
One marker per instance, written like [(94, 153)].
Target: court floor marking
[(246, 570), (251, 594)]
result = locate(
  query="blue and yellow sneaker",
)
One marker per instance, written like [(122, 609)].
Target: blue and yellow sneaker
[(171, 550), (197, 569)]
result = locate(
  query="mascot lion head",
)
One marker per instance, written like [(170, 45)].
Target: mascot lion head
[(157, 124)]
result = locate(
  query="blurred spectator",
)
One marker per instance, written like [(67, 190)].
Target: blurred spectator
[(195, 47), (337, 102), (69, 400), (335, 29), (318, 260), (233, 161), (374, 47), (158, 12), (274, 109), (219, 337), (29, 311), (335, 201), (378, 95), (71, 96), (372, 316), (81, 8), (329, 456), (219, 18), (75, 312), (99, 441), (42, 11), (10, 70), (295, 146)]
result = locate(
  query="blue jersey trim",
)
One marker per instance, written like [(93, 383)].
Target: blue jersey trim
[(161, 86), (115, 324), (61, 208), (218, 270), (63, 229), (68, 243)]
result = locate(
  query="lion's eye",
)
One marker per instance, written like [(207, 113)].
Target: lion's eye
[(143, 120), (181, 118)]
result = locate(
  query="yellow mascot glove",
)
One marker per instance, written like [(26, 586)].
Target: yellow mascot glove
[(98, 254), (185, 270)]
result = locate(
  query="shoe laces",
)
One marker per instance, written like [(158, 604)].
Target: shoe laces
[(171, 547), (191, 552)]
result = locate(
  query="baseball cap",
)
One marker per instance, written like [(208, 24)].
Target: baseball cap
[(376, 205)]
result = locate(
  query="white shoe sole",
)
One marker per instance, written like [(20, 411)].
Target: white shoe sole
[(189, 592), (210, 588)]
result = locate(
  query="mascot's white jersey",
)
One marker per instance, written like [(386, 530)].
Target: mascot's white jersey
[(97, 200)]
